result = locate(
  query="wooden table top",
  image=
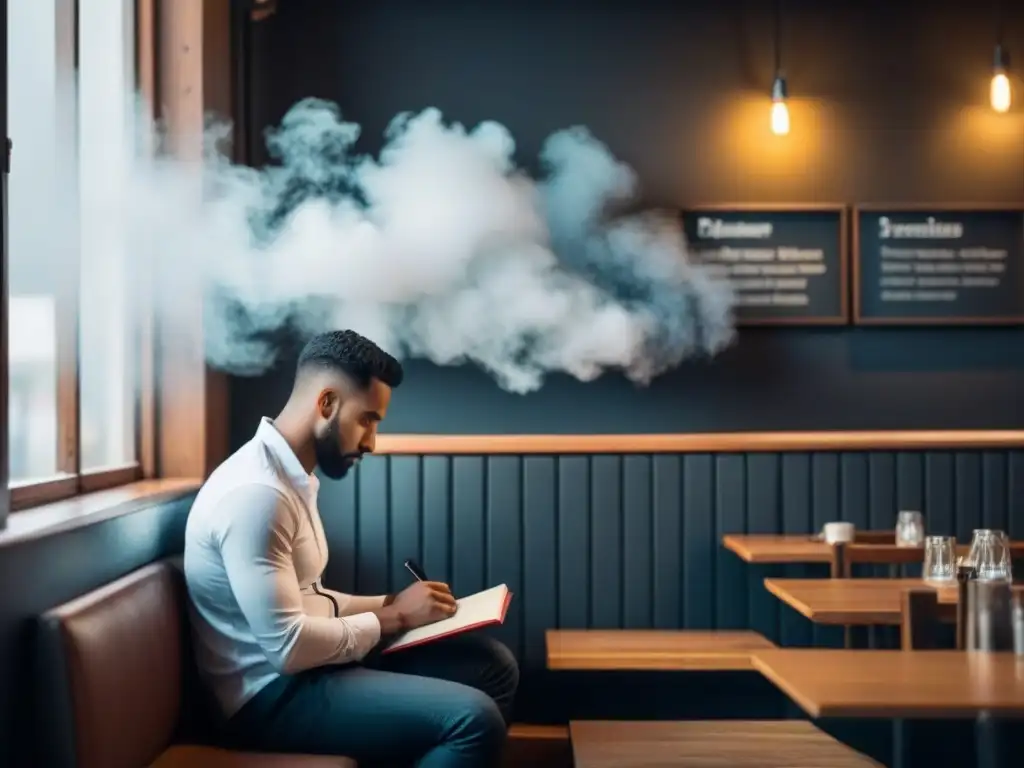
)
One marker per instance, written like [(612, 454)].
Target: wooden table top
[(768, 549), (850, 602), (709, 744), (652, 649), (777, 549), (897, 684)]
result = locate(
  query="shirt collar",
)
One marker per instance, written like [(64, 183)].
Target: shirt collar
[(268, 435)]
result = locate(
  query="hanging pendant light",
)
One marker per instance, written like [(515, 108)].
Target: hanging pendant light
[(780, 110), (1000, 95)]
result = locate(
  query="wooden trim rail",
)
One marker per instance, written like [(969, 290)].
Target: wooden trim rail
[(720, 442)]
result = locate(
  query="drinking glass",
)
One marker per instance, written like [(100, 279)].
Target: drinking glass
[(909, 529), (989, 555), (1017, 617), (939, 563)]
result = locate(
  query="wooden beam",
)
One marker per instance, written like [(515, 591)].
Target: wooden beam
[(66, 284), (721, 442), (192, 77), (146, 407)]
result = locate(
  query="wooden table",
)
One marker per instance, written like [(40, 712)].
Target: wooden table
[(897, 684), (708, 744), (651, 649), (778, 549), (850, 602), (773, 549)]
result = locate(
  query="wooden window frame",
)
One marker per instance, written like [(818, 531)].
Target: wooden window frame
[(70, 479), (5, 500)]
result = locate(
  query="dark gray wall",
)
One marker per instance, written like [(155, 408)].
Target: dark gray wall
[(887, 108)]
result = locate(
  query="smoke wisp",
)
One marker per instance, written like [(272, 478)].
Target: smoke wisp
[(437, 248)]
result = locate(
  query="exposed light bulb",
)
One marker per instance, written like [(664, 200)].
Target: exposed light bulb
[(780, 118), (780, 111), (999, 91)]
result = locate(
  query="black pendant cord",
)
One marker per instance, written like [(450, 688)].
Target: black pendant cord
[(1001, 59), (779, 83), (778, 38), (999, 23)]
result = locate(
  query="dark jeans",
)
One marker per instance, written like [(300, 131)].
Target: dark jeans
[(442, 705)]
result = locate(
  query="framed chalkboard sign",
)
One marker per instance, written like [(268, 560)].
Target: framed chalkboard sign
[(787, 264), (938, 265)]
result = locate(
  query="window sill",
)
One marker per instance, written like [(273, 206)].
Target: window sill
[(67, 486), (89, 508)]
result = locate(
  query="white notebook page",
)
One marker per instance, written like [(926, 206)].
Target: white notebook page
[(482, 607)]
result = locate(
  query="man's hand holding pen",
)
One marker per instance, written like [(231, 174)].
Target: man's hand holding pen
[(422, 602)]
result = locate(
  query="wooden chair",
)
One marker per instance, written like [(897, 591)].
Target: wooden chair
[(874, 537), (845, 556), (922, 617)]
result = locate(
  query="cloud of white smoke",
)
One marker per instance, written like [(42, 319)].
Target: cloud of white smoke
[(439, 248)]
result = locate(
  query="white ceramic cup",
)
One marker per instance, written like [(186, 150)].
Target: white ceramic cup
[(838, 533)]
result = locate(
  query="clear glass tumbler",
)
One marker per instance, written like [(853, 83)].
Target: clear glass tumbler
[(939, 559), (990, 555), (909, 529)]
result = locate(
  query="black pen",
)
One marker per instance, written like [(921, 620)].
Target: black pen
[(413, 567)]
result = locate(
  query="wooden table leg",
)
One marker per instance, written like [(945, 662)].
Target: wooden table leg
[(986, 734)]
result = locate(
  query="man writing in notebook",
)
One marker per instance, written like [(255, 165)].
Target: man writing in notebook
[(290, 662)]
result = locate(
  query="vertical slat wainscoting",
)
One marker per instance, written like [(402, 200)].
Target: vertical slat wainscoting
[(634, 540)]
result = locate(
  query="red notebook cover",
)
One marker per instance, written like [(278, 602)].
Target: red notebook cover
[(457, 631)]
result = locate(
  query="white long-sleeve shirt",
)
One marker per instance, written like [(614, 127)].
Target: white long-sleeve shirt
[(254, 553)]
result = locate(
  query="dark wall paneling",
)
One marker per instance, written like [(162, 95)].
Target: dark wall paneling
[(797, 517), (633, 540)]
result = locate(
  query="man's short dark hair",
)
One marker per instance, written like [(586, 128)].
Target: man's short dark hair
[(351, 354)]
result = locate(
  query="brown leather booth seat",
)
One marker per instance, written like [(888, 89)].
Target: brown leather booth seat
[(117, 685)]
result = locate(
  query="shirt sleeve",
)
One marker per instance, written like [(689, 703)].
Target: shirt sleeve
[(256, 548)]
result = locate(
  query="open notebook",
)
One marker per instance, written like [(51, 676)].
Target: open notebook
[(480, 610)]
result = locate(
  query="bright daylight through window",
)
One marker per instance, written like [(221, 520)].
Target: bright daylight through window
[(72, 336)]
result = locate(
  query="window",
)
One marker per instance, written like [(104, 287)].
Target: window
[(107, 359), (33, 431), (72, 332), (32, 346)]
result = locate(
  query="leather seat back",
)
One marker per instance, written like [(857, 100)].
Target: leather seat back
[(111, 662), (200, 719)]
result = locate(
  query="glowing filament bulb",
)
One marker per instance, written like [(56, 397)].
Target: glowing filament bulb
[(780, 118), (999, 93), (780, 111)]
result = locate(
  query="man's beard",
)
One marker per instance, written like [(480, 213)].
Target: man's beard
[(329, 457)]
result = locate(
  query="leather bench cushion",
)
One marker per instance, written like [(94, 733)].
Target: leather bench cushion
[(210, 757), (112, 662), (114, 672)]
